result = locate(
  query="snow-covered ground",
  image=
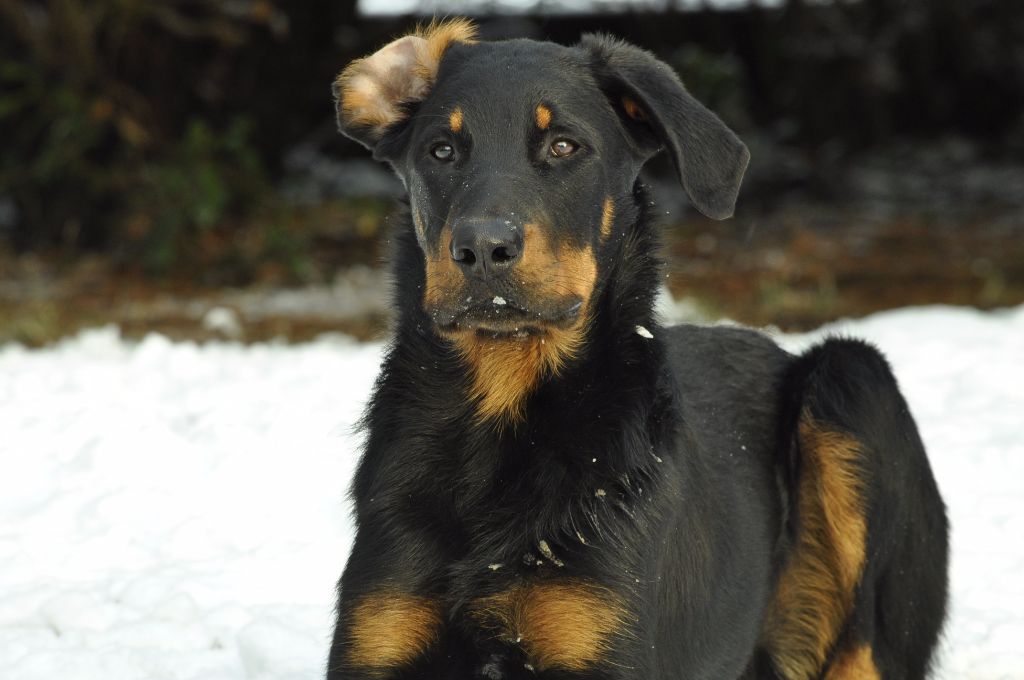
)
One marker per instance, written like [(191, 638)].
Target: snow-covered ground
[(171, 511)]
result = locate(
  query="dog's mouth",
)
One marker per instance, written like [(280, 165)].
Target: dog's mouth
[(500, 318)]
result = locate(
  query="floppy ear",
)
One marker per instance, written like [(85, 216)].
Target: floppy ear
[(709, 157), (373, 94)]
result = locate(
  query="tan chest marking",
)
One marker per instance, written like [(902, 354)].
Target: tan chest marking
[(568, 625), (391, 629)]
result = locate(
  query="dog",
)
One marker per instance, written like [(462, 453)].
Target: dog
[(556, 486)]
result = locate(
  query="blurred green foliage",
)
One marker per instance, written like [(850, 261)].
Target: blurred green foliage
[(90, 158), (204, 179)]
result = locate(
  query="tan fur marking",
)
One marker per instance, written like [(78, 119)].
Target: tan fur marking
[(854, 664), (441, 33), (443, 276), (390, 629), (507, 370), (543, 117), (417, 220), (567, 625), (607, 218), (372, 90), (633, 110), (561, 272), (816, 589), (455, 120)]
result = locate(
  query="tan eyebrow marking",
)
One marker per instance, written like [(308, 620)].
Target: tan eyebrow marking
[(543, 116), (455, 119)]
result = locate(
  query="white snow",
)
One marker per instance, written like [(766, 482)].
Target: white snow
[(175, 511), (225, 321)]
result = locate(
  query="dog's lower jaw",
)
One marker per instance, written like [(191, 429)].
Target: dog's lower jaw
[(505, 370)]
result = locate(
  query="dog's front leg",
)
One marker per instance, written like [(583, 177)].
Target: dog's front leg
[(391, 614)]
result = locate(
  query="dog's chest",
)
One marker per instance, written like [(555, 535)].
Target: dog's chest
[(544, 579), (550, 514)]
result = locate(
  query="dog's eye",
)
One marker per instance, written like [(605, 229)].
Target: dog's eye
[(442, 152), (562, 147)]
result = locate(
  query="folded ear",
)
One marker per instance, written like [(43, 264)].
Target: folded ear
[(659, 112), (373, 94)]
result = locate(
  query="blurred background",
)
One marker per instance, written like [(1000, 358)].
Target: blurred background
[(174, 166)]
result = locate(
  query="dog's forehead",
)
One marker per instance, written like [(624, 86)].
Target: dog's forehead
[(510, 71)]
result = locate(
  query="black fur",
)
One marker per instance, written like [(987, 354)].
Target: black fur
[(674, 458)]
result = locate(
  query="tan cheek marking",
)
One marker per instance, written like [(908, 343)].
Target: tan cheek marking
[(455, 120), (556, 273), (568, 625), (417, 220), (539, 258), (443, 277), (543, 117), (854, 664), (607, 218), (389, 630), (580, 268), (815, 592)]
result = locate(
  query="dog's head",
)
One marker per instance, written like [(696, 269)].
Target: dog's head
[(519, 157)]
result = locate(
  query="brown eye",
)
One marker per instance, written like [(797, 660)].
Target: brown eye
[(442, 152), (562, 147)]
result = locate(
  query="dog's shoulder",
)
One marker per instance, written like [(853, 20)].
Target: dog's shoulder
[(729, 380), (723, 355)]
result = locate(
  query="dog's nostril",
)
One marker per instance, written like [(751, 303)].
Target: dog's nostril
[(465, 256), (501, 254)]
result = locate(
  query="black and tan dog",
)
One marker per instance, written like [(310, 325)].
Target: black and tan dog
[(556, 486)]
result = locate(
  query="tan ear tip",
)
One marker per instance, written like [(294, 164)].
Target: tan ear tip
[(369, 92), (452, 29)]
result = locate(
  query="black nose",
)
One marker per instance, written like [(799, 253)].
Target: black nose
[(486, 247)]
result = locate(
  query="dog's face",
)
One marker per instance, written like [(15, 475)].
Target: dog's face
[(519, 158), (513, 175)]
